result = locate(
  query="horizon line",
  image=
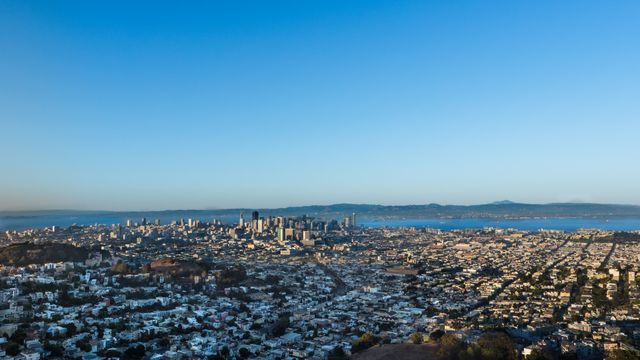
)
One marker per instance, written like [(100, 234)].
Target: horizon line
[(501, 202)]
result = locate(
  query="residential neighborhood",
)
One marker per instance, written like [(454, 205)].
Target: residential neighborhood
[(286, 288)]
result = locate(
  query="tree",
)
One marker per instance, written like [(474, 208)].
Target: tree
[(164, 342), (12, 348), (224, 353), (280, 326), (569, 356), (134, 353), (230, 276), (540, 355), (620, 354), (244, 308), (71, 329), (244, 352), (449, 347), (496, 346), (54, 350), (417, 338), (83, 345), (337, 354), (472, 352), (436, 335), (113, 353), (121, 268), (18, 336), (365, 341)]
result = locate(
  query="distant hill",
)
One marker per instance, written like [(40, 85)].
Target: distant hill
[(28, 253), (497, 210)]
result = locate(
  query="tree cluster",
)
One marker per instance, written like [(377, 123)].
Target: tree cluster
[(490, 346), (365, 341)]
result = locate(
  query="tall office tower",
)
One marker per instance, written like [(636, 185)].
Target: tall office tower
[(255, 215), (241, 222), (143, 221), (289, 234), (260, 227), (353, 220), (190, 222), (157, 222), (347, 222), (129, 223)]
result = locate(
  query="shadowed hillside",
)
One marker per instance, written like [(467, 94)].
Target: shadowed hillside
[(28, 253), (399, 351)]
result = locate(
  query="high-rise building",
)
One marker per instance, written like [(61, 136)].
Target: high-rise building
[(260, 227), (353, 220), (289, 233), (255, 216), (241, 222), (129, 223)]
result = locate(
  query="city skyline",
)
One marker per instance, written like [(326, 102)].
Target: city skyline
[(152, 106)]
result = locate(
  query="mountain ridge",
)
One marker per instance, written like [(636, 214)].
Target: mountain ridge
[(498, 209)]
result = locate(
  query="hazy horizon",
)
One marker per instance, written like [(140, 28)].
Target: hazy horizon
[(153, 106), (134, 210)]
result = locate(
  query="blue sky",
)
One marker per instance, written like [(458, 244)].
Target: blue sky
[(174, 105)]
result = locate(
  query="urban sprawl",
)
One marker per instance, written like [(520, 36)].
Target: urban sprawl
[(285, 288)]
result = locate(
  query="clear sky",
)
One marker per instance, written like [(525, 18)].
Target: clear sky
[(215, 104)]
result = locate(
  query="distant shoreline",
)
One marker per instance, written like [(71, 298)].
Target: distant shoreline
[(569, 224), (561, 216)]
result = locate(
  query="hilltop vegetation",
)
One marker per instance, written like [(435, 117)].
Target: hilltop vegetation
[(180, 270), (29, 253), (177, 268), (441, 346), (169, 267)]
